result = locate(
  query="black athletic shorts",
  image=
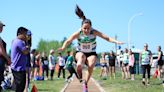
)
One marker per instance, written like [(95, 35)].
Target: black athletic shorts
[(125, 64), (88, 54), (131, 69), (111, 63)]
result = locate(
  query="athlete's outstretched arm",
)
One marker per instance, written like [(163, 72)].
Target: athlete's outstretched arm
[(69, 40), (109, 39)]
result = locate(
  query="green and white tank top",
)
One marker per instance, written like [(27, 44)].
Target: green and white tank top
[(87, 43), (125, 58), (145, 55)]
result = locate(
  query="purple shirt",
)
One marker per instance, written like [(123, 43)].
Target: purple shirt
[(18, 59)]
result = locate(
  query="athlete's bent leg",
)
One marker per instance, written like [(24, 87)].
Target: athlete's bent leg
[(91, 61), (80, 58)]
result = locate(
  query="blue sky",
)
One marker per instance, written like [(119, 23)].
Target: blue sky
[(55, 19)]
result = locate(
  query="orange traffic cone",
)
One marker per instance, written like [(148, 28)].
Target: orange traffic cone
[(34, 89), (155, 74), (57, 68)]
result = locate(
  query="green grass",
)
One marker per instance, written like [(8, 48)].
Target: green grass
[(110, 85), (54, 85), (49, 86), (119, 85)]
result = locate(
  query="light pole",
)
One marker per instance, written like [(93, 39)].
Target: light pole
[(129, 24)]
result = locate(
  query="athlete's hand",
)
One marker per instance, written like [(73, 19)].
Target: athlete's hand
[(60, 49), (120, 43)]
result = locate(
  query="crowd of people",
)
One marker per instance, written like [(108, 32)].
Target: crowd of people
[(24, 64), (126, 62)]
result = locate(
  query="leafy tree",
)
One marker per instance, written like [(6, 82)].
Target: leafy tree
[(46, 46)]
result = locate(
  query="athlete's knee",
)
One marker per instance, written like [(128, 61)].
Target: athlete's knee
[(80, 55), (79, 66)]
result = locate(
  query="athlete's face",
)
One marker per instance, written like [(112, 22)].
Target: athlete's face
[(86, 28)]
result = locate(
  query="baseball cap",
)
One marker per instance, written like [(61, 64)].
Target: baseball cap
[(1, 24)]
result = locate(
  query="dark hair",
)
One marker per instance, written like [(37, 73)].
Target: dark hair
[(81, 15), (59, 53), (68, 52), (159, 47), (33, 50), (29, 42), (21, 30)]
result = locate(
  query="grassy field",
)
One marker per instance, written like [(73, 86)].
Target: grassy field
[(119, 85), (110, 85), (49, 86)]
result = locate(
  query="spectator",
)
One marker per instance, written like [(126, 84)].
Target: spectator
[(112, 60), (61, 62), (19, 52), (3, 56), (103, 63), (44, 61), (70, 67), (126, 73), (121, 56), (37, 65), (33, 58), (52, 63), (131, 64), (68, 54), (146, 61), (28, 66), (160, 61)]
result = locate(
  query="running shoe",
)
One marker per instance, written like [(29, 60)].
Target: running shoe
[(85, 87)]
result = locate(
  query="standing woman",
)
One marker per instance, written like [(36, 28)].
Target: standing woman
[(131, 64), (146, 61), (112, 59), (33, 65), (103, 63), (125, 63), (28, 66), (121, 59), (160, 61), (44, 63), (86, 49), (37, 65), (52, 63), (3, 56), (61, 62)]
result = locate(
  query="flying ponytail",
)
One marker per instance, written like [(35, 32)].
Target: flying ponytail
[(81, 15)]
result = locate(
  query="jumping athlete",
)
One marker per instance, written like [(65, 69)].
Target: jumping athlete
[(86, 49)]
